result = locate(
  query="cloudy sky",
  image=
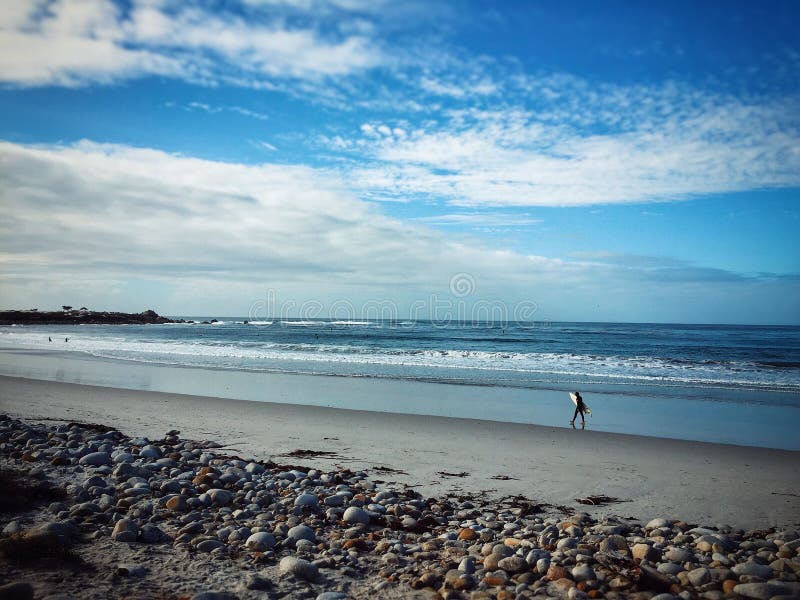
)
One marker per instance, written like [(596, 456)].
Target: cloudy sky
[(597, 161)]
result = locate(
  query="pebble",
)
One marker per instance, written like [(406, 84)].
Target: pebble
[(307, 500), (301, 532), (336, 500), (700, 576), (583, 573), (125, 531), (150, 451), (299, 567), (645, 552), (260, 541), (657, 524), (219, 497), (467, 565), (760, 591), (95, 459), (513, 564), (354, 515), (247, 515), (615, 543), (210, 545), (12, 528), (670, 568), (753, 569), (679, 555)]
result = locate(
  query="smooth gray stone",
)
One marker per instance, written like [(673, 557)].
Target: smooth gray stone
[(95, 459), (209, 545), (301, 532), (355, 515), (151, 534), (754, 569), (125, 531), (336, 500), (698, 577), (583, 573), (467, 565), (309, 500), (291, 565), (760, 591), (220, 497), (678, 555), (260, 541)]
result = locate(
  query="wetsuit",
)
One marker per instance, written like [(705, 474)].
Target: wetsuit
[(579, 409)]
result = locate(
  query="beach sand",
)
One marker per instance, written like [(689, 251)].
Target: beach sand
[(697, 482)]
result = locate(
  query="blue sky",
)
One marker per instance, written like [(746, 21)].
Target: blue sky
[(599, 161)]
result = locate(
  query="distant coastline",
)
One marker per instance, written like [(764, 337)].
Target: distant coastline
[(70, 316)]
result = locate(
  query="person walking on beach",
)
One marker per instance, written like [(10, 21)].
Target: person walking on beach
[(580, 407)]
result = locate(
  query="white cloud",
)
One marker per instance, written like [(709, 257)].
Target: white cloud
[(82, 216), (246, 112), (670, 151), (459, 89), (249, 113), (69, 43), (119, 210), (264, 145), (482, 219), (75, 43)]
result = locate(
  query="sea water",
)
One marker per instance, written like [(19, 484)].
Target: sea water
[(741, 377)]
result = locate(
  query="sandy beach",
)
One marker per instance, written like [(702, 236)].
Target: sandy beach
[(114, 493), (697, 482)]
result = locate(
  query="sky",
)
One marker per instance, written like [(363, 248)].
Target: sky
[(572, 161)]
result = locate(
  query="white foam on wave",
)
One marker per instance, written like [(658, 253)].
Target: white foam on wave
[(259, 322), (257, 355)]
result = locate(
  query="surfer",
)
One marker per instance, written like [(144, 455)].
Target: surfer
[(580, 407)]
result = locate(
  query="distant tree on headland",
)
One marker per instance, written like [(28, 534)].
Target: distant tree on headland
[(67, 307)]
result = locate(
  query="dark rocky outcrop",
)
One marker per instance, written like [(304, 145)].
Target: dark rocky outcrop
[(83, 316)]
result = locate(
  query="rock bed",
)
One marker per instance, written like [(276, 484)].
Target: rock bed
[(176, 518)]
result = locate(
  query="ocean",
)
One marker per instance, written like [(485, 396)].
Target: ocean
[(730, 365)]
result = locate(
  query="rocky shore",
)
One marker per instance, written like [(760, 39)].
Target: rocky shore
[(88, 512), (81, 317)]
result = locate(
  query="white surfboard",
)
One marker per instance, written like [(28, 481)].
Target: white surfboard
[(574, 399)]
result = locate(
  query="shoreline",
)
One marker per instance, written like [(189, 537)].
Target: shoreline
[(735, 421), (694, 481)]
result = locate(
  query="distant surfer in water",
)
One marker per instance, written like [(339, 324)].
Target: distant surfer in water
[(580, 407)]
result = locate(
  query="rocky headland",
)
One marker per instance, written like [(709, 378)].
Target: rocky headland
[(80, 317), (88, 512)]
